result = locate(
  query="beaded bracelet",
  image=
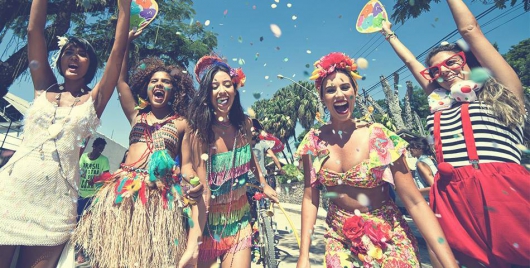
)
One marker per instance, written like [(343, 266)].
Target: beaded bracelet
[(389, 35)]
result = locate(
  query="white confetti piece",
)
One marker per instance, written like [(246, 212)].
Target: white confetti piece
[(276, 30)]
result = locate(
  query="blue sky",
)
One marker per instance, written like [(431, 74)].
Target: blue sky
[(318, 28)]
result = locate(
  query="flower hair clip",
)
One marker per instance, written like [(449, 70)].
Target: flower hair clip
[(330, 63), (206, 62), (61, 42)]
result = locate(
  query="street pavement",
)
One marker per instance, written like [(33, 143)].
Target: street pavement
[(289, 247)]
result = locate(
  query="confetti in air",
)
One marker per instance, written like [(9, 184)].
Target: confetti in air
[(276, 30)]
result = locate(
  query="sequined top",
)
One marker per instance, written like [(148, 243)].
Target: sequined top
[(164, 134), (385, 147)]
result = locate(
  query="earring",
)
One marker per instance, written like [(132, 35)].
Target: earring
[(82, 90), (142, 104)]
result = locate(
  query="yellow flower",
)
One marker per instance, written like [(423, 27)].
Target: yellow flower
[(370, 109), (375, 252), (361, 257)]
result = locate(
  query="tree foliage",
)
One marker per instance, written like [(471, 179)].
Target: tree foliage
[(518, 58), (288, 106), (405, 9), (95, 21)]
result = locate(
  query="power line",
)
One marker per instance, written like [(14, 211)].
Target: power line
[(403, 69)]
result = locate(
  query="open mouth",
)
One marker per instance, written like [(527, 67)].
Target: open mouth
[(158, 95), (72, 67), (341, 107), (222, 101)]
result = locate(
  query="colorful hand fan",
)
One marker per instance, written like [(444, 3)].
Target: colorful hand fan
[(371, 17), (143, 12)]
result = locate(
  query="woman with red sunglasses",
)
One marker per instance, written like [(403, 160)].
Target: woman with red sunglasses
[(480, 194)]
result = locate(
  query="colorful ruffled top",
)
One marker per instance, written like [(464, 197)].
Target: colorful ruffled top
[(385, 148)]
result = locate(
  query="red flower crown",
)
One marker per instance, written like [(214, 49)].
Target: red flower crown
[(331, 62), (206, 62)]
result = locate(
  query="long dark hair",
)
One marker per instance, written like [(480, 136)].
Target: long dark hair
[(84, 44), (504, 104), (201, 115), (183, 89)]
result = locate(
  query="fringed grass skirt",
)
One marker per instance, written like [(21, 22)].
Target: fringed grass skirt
[(131, 233)]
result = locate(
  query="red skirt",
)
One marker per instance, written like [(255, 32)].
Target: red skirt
[(485, 213)]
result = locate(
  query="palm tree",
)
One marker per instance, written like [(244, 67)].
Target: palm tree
[(288, 106)]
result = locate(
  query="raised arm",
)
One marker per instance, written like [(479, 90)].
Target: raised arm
[(407, 57), (310, 203), (483, 50), (105, 87), (41, 73), (421, 213), (124, 91)]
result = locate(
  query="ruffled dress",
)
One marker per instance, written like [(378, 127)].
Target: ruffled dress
[(38, 200)]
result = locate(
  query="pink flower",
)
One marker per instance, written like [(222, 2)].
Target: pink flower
[(332, 261)]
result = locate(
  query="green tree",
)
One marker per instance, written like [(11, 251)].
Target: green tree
[(419, 103), (405, 9), (95, 20), (518, 58)]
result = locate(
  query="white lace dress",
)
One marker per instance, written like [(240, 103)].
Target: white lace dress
[(38, 186)]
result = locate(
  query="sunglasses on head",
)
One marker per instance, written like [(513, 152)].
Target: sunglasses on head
[(455, 62)]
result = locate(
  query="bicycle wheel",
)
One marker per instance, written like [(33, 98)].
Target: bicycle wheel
[(268, 246)]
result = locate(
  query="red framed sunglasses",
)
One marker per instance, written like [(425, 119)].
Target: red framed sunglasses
[(454, 62)]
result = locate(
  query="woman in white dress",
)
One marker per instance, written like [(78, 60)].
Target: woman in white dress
[(40, 182)]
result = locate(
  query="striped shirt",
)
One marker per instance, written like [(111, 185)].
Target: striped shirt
[(494, 141)]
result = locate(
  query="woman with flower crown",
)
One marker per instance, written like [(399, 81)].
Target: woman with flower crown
[(481, 190), (358, 164), (222, 156), (38, 201), (140, 215)]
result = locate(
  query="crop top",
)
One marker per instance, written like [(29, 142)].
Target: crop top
[(163, 135), (385, 148)]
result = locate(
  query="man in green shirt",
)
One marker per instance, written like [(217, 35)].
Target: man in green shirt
[(91, 164)]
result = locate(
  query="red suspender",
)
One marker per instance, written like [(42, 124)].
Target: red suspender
[(438, 138), (468, 135)]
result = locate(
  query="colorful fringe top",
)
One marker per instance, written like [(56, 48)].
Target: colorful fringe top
[(221, 165), (385, 148)]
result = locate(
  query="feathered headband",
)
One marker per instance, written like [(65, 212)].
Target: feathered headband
[(331, 62), (206, 62)]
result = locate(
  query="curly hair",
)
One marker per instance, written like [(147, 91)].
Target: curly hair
[(182, 83), (201, 112), (503, 104)]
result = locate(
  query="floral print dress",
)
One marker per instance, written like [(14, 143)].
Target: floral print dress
[(379, 238)]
